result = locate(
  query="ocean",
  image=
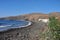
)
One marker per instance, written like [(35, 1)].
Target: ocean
[(9, 24)]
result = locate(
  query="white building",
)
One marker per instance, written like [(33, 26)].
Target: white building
[(44, 20)]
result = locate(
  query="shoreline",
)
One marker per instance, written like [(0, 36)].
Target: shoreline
[(7, 28)]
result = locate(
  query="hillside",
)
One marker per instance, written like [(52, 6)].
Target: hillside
[(33, 16)]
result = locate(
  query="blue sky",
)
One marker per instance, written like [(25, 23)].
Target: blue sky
[(18, 7)]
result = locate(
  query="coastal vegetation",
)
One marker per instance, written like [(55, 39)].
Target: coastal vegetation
[(52, 31), (54, 28)]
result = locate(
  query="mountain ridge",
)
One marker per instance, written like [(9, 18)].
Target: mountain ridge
[(33, 16)]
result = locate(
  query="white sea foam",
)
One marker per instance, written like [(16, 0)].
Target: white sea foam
[(29, 23), (13, 26), (4, 25)]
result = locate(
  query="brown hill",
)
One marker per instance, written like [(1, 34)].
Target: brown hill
[(56, 14), (33, 16)]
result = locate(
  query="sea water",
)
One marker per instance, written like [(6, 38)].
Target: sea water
[(9, 24)]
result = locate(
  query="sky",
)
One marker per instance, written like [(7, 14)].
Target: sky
[(20, 7)]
